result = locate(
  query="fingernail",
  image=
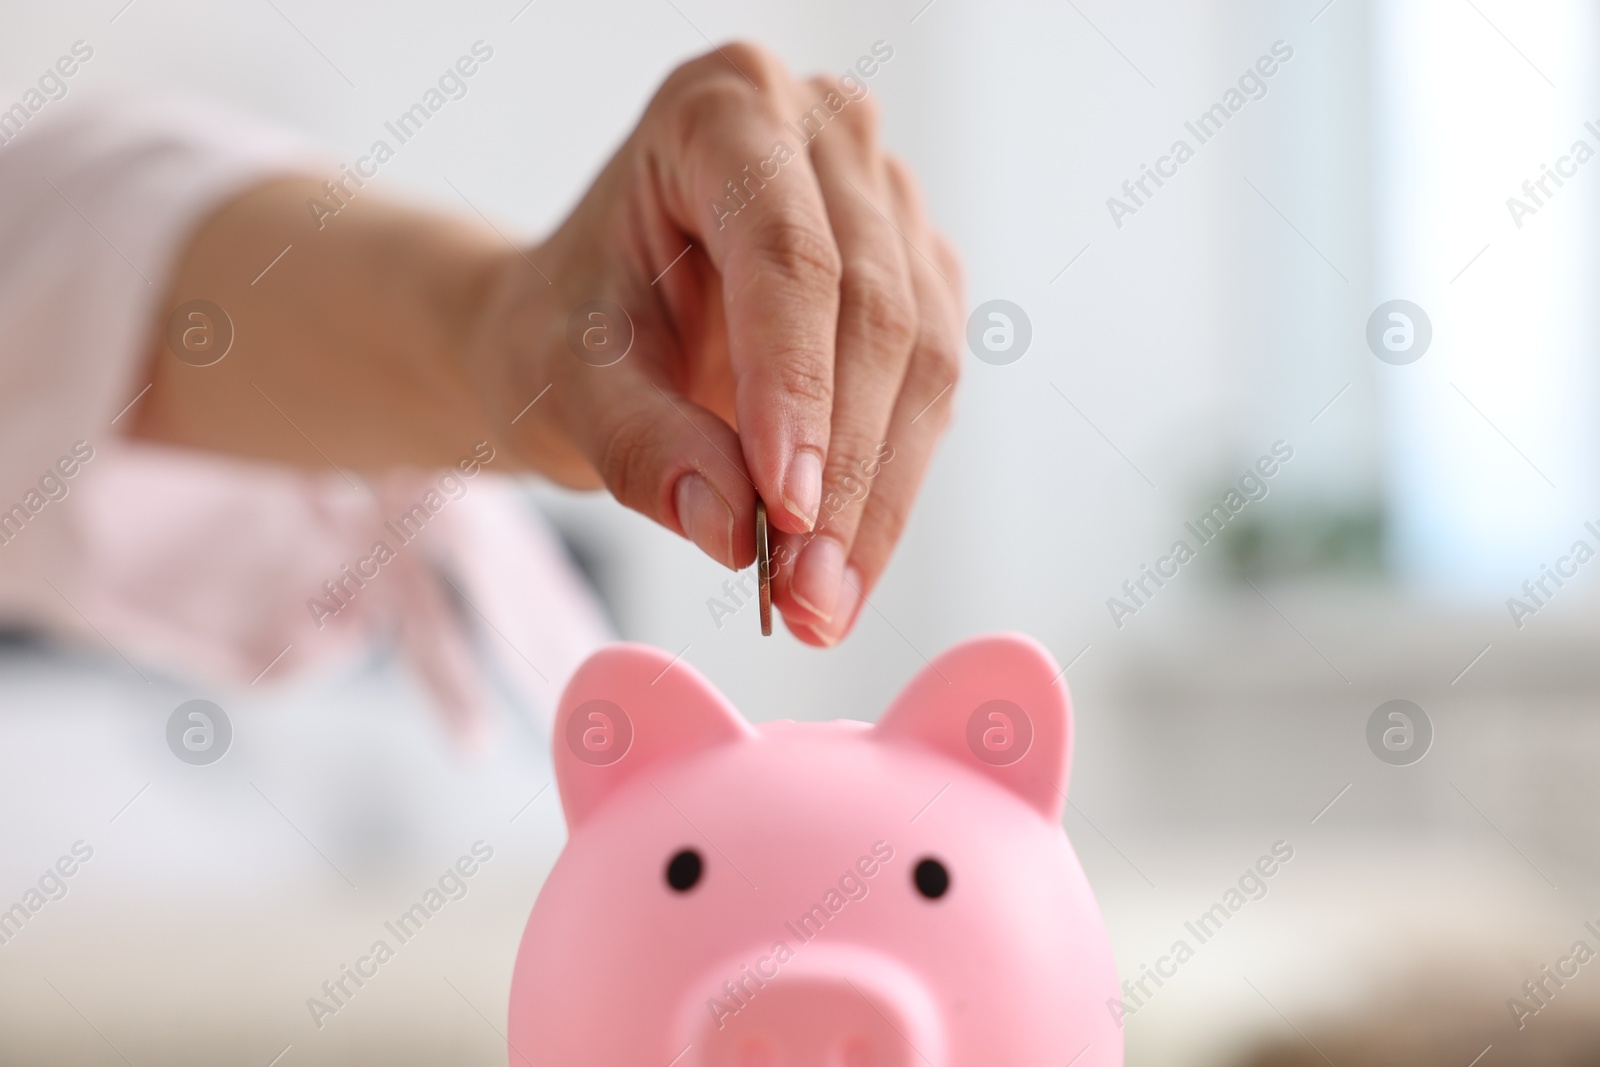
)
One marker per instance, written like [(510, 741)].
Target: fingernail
[(817, 577), (844, 611), (802, 492), (706, 520)]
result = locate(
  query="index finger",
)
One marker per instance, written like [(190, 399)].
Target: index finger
[(739, 179)]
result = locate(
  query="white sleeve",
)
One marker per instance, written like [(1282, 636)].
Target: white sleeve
[(97, 201)]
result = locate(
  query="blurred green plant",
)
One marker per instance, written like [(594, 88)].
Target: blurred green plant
[(1277, 543)]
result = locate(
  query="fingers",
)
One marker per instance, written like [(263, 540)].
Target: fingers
[(920, 417), (921, 411), (877, 327), (823, 322), (664, 456), (733, 179)]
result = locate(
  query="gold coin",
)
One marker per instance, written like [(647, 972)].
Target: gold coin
[(764, 567)]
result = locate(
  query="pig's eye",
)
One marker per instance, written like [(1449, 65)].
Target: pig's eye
[(683, 870), (931, 878)]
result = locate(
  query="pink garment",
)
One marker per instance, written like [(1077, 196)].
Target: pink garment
[(203, 565)]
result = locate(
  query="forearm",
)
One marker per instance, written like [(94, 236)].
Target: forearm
[(357, 346)]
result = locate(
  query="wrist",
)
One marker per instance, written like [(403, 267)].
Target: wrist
[(514, 360)]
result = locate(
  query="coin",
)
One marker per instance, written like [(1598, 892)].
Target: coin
[(764, 568)]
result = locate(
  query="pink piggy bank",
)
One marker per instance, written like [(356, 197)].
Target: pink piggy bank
[(830, 894)]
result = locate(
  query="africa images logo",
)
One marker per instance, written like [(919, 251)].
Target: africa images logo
[(599, 732), (999, 332), (199, 732), (1399, 332)]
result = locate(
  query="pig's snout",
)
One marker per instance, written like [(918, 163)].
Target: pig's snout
[(826, 1007)]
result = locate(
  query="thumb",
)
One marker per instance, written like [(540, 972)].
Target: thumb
[(665, 457)]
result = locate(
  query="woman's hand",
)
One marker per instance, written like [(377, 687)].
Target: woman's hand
[(794, 323), (749, 301)]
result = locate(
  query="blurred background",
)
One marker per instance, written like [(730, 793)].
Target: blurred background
[(1172, 347)]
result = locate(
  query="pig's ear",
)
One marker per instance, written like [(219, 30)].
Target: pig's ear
[(627, 709), (998, 706)]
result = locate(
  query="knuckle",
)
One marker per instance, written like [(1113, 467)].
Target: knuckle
[(708, 105), (753, 61), (880, 305), (936, 362), (853, 111), (879, 532), (738, 60), (798, 248), (903, 180), (945, 357), (949, 261), (627, 461), (861, 118), (801, 374), (683, 78)]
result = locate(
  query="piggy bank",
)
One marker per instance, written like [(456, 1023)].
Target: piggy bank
[(815, 894)]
